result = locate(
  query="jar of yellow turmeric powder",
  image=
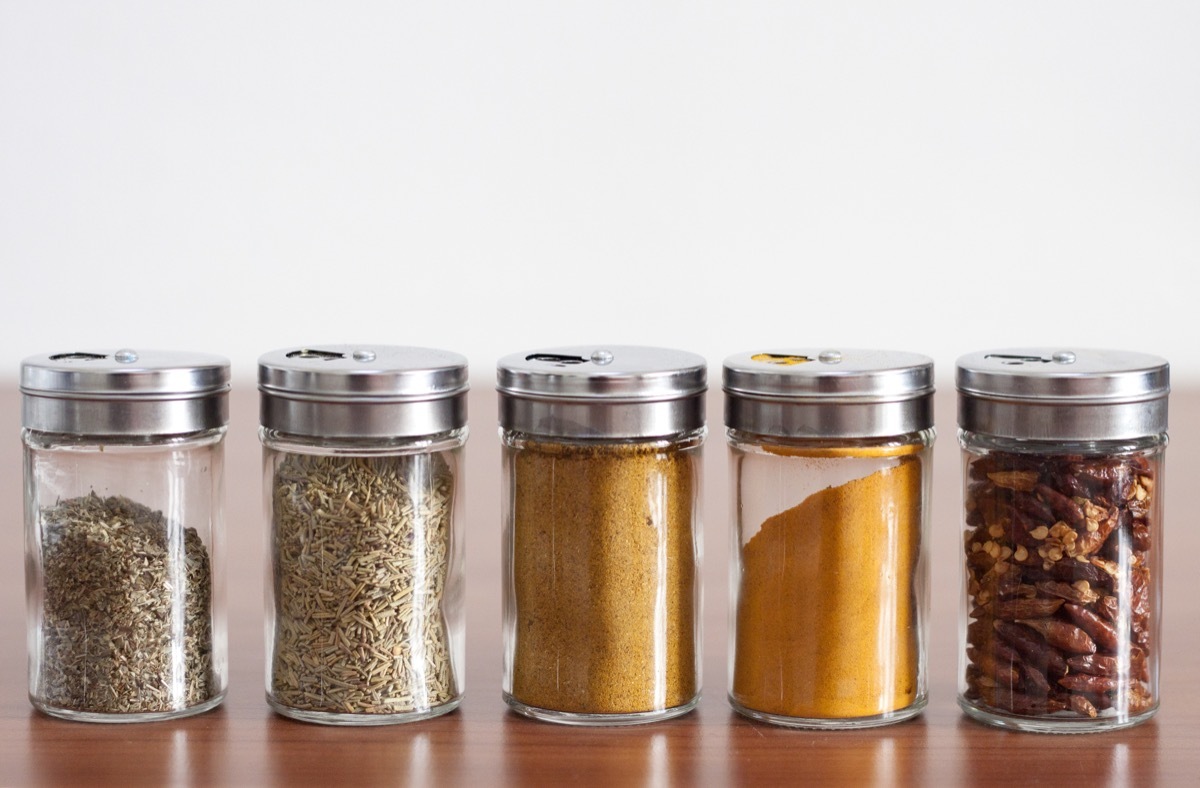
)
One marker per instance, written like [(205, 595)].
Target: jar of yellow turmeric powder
[(601, 484), (830, 462)]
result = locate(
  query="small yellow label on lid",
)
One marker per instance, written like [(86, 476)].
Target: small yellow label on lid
[(780, 359)]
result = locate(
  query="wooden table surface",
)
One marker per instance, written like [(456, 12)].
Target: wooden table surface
[(243, 743)]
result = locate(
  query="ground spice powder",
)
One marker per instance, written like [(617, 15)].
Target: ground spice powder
[(604, 577), (826, 614)]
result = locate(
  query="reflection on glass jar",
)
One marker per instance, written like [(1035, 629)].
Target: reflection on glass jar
[(434, 752), (613, 756)]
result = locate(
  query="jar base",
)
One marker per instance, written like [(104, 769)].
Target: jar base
[(598, 720), (119, 718), (1050, 723), (833, 723), (359, 720)]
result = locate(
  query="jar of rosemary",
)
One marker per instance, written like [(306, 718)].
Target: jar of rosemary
[(1063, 458), (830, 454), (124, 507), (363, 469), (601, 486)]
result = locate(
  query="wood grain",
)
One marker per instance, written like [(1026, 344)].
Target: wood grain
[(243, 743)]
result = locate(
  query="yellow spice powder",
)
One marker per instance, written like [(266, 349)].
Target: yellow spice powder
[(603, 572), (826, 615)]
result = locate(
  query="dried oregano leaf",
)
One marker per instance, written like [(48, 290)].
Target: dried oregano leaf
[(126, 610)]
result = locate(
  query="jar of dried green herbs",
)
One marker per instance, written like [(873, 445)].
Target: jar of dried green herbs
[(124, 500), (601, 486), (363, 470)]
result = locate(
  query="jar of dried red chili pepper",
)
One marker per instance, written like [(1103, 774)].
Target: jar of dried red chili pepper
[(1063, 482)]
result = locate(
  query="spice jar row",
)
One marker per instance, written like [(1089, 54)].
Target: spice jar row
[(830, 469)]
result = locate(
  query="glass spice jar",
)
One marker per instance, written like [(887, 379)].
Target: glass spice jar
[(363, 477), (601, 544), (830, 464), (124, 508), (1063, 481)]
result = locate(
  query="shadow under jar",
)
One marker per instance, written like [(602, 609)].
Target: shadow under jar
[(601, 547), (363, 477), (1063, 482), (829, 458), (124, 507)]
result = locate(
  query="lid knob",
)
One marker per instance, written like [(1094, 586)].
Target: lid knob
[(1063, 357), (830, 357)]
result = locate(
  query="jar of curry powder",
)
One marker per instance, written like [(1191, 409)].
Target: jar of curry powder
[(830, 457), (600, 493)]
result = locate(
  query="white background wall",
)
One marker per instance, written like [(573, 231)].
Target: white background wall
[(495, 176)]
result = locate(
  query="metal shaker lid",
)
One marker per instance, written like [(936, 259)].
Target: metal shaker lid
[(1061, 394), (828, 393), (602, 391), (125, 392), (362, 391)]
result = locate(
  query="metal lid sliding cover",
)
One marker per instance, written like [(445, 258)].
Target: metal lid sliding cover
[(124, 392), (1061, 394), (602, 391), (362, 391), (827, 393)]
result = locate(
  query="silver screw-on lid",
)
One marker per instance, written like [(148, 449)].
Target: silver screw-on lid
[(1063, 394), (362, 391), (124, 392), (602, 391), (828, 392)]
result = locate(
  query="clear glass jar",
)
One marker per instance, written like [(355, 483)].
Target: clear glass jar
[(124, 508), (363, 479), (1063, 459), (601, 539), (830, 457)]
